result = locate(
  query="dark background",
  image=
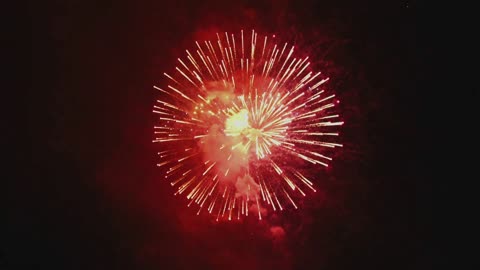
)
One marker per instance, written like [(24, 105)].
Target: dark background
[(87, 194)]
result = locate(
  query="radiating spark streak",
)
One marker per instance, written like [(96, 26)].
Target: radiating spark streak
[(171, 78), (163, 163), (212, 204), (307, 182), (289, 182), (189, 156), (258, 207), (299, 190), (181, 94), (166, 104), (184, 75), (278, 201), (171, 140), (172, 169), (195, 190), (270, 199), (225, 205), (161, 90), (320, 134), (194, 63), (325, 124), (318, 155), (177, 121), (290, 198), (183, 187), (173, 183)]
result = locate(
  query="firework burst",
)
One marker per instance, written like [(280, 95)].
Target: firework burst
[(244, 126)]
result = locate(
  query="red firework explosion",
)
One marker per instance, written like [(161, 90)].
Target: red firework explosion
[(244, 126)]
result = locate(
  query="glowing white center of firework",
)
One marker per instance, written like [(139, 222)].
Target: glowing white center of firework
[(237, 123)]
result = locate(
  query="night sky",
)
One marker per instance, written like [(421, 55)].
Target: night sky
[(88, 195)]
